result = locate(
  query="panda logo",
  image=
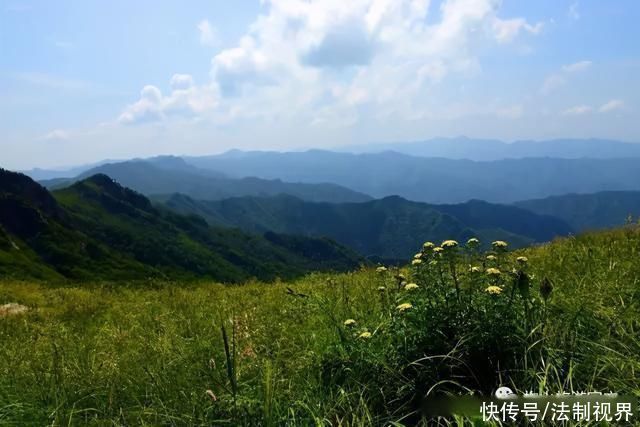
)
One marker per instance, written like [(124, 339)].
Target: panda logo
[(505, 393)]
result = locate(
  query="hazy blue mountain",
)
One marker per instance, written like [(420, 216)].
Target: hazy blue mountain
[(390, 228), (39, 174), (589, 211), (491, 149), (435, 180), (96, 229), (172, 175), (449, 148)]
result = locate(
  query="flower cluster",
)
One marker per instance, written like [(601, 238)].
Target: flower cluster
[(449, 244), (404, 307), (493, 272), (499, 245), (495, 290)]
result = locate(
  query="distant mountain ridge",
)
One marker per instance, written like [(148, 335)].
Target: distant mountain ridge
[(491, 149), (435, 180), (97, 229), (388, 228), (162, 175), (589, 211), (458, 148)]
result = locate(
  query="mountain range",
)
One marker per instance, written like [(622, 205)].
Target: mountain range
[(433, 180), (97, 229), (389, 228), (492, 149), (382, 205), (165, 174), (460, 148), (589, 211)]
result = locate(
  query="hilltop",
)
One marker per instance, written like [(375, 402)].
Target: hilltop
[(589, 211), (169, 174), (388, 228), (98, 229)]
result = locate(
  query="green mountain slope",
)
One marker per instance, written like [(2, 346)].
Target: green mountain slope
[(479, 214), (97, 229), (390, 228), (164, 175), (589, 211)]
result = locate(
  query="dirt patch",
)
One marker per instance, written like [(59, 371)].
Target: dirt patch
[(12, 309)]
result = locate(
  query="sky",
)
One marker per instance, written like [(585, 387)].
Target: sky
[(82, 80)]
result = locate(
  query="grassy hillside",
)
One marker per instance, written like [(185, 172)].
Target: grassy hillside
[(277, 353), (589, 211), (97, 229), (389, 228)]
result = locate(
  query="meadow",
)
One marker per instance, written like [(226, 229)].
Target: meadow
[(360, 348)]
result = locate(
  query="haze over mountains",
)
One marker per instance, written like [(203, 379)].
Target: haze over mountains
[(317, 175), (460, 148), (434, 180), (385, 204), (492, 149), (163, 175)]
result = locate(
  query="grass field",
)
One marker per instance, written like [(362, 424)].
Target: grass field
[(361, 348)]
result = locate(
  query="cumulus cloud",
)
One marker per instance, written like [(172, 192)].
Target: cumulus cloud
[(338, 54), (508, 29), (317, 61), (208, 34), (185, 99), (577, 110), (607, 107), (613, 105), (342, 46), (556, 80), (181, 81)]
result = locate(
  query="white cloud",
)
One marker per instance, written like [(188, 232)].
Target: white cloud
[(185, 99), (613, 105), (57, 135), (556, 80), (208, 34), (577, 66), (577, 110), (181, 81), (301, 57), (335, 63), (508, 29)]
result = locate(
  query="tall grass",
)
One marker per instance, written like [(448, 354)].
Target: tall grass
[(281, 353)]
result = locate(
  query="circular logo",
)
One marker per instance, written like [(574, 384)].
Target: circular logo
[(505, 393)]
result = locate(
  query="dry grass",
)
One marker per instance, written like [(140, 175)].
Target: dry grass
[(12, 309)]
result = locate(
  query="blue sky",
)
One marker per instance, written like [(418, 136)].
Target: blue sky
[(82, 81)]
